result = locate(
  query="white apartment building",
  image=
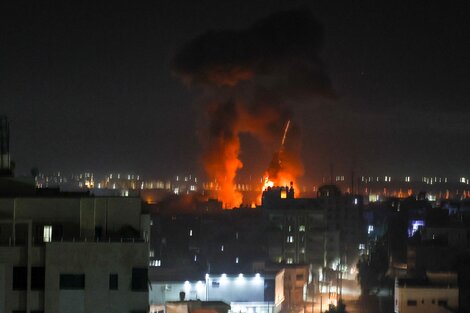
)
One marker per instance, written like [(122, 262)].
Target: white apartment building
[(73, 254), (437, 293)]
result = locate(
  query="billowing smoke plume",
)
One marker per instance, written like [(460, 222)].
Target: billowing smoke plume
[(249, 81)]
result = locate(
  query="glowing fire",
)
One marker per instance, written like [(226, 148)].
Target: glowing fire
[(267, 183)]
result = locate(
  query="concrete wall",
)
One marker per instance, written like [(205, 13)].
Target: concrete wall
[(96, 261), (227, 289), (78, 216), (78, 219), (424, 298), (15, 299)]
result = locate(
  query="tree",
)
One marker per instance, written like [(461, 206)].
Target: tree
[(372, 268)]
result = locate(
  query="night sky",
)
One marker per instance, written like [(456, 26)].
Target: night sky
[(89, 86)]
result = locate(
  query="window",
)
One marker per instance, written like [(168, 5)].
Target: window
[(151, 253), (302, 228), (441, 302), (411, 303), (290, 239), (47, 233), (72, 281), (113, 281), (289, 261), (299, 277), (38, 278), (19, 278), (236, 260), (139, 279)]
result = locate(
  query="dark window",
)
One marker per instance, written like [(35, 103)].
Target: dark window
[(113, 281), (215, 284), (139, 279), (98, 232), (19, 278), (72, 281), (411, 303), (442, 302), (37, 278)]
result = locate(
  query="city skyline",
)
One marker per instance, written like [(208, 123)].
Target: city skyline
[(90, 85)]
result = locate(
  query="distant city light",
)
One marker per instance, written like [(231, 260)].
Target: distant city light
[(415, 225)]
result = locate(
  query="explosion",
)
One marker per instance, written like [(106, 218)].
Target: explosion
[(283, 169), (248, 81)]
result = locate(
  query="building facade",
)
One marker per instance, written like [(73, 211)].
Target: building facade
[(73, 254), (434, 294)]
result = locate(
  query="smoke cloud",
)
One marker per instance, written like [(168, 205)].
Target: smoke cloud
[(249, 81)]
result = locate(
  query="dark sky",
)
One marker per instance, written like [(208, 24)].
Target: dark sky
[(88, 85)]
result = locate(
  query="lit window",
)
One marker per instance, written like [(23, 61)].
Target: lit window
[(47, 234), (195, 258), (222, 248), (302, 228), (355, 201), (370, 229), (290, 239), (236, 260), (362, 246), (151, 254), (158, 263), (289, 261), (190, 233)]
